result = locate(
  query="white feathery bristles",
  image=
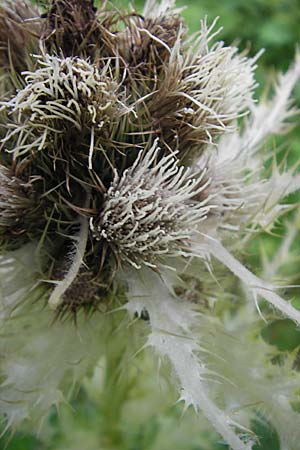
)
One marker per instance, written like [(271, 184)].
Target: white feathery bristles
[(158, 8), (283, 255), (152, 209), (16, 281), (238, 194), (271, 118), (220, 82), (267, 118), (171, 337), (241, 191), (242, 194), (280, 184), (294, 185), (42, 360), (61, 92)]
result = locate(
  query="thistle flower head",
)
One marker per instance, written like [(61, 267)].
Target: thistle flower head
[(152, 209), (202, 92), (62, 97)]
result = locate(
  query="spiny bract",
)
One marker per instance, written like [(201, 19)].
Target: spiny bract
[(131, 173)]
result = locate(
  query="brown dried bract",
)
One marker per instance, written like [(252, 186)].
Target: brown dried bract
[(72, 28), (86, 293), (146, 43), (18, 206), (20, 28)]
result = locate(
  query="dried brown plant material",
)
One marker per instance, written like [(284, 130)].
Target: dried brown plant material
[(20, 28), (146, 44), (87, 292), (18, 208), (71, 28)]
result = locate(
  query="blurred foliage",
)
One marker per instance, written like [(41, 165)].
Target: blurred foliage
[(273, 25), (284, 334)]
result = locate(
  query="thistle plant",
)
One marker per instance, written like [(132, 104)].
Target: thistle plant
[(136, 170)]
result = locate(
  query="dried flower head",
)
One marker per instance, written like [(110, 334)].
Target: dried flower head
[(129, 186)]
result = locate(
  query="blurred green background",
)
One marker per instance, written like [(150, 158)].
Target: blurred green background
[(275, 26)]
